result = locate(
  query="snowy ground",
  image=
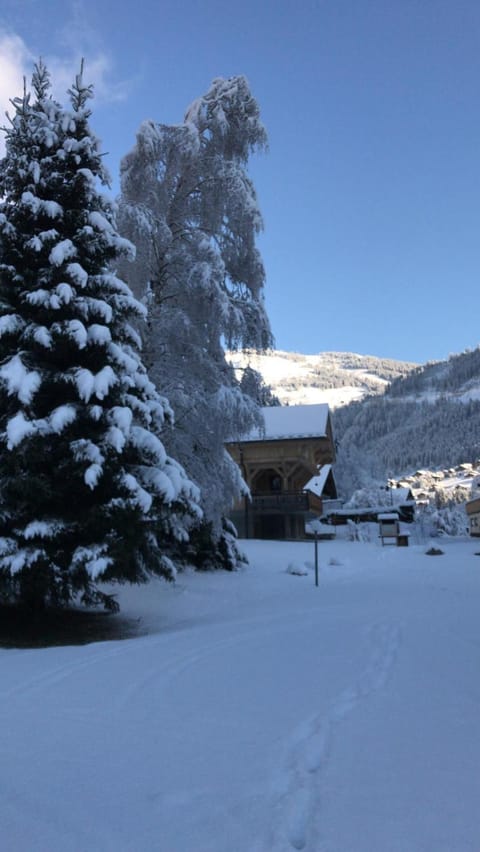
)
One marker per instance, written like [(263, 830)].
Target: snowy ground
[(259, 713)]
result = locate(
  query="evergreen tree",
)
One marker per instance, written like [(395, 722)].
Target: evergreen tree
[(253, 385), (191, 209), (87, 492)]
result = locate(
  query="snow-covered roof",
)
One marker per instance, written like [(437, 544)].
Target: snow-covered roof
[(365, 510), (317, 483), (401, 495), (292, 421)]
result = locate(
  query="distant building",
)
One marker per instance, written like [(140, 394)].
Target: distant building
[(288, 469), (399, 501), (473, 512)]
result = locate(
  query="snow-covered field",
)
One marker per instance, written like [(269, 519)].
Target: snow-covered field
[(258, 713)]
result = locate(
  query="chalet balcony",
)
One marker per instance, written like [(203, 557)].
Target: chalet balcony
[(285, 503)]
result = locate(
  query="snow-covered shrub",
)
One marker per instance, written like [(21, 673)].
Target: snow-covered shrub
[(206, 551), (297, 568), (451, 520), (361, 532)]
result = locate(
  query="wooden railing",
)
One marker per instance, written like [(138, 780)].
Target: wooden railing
[(281, 502)]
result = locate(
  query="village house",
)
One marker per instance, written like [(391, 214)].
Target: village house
[(288, 469), (473, 512)]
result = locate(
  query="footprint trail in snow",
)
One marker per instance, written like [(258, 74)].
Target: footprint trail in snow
[(296, 793)]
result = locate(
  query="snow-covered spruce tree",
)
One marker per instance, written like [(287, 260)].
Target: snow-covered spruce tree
[(87, 491), (190, 207)]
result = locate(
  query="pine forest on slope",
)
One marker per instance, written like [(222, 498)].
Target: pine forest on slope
[(427, 419)]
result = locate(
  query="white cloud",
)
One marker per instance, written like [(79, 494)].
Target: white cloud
[(97, 70), (15, 64), (17, 60), (78, 40)]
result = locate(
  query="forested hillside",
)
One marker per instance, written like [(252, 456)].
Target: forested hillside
[(428, 419), (459, 375)]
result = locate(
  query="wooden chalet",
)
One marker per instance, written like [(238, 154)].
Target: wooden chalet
[(288, 468)]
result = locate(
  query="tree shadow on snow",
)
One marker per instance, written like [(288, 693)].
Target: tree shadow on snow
[(20, 629)]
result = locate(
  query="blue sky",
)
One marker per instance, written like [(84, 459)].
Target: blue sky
[(371, 188)]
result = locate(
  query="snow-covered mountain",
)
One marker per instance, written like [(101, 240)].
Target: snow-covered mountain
[(333, 377), (391, 417), (457, 378), (428, 419)]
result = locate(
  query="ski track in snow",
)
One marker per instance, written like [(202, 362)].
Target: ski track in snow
[(172, 668), (246, 630), (57, 674), (296, 792)]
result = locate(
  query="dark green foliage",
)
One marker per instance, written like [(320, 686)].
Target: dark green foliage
[(87, 492), (207, 551), (253, 385)]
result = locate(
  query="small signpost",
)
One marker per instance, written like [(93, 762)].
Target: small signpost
[(315, 527), (389, 527)]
